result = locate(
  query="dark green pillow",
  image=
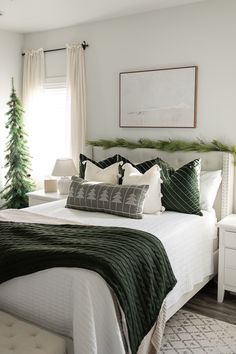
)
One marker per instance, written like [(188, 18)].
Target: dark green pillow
[(102, 164), (180, 188)]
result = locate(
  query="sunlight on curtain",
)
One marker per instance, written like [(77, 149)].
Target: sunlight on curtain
[(33, 80), (47, 125), (55, 112)]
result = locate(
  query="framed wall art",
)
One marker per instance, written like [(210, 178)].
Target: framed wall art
[(163, 98)]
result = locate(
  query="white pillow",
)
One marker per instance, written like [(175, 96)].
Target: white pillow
[(152, 202), (209, 185), (106, 175)]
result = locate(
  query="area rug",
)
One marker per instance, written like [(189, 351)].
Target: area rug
[(188, 332)]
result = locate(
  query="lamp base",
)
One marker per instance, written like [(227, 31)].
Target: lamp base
[(64, 185)]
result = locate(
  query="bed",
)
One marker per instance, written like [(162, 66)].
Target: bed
[(78, 304)]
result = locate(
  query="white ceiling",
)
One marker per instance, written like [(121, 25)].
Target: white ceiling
[(38, 15)]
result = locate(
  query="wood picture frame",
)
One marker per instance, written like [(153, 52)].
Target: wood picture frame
[(158, 98)]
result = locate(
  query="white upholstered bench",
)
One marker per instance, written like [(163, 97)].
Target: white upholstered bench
[(19, 337)]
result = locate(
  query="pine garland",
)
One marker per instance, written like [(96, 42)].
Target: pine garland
[(166, 145), (18, 181)]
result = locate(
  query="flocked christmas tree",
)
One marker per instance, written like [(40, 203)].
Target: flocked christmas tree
[(18, 181)]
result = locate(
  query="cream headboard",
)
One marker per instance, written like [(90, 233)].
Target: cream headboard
[(210, 161)]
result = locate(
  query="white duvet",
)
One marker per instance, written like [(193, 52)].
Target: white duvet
[(79, 304)]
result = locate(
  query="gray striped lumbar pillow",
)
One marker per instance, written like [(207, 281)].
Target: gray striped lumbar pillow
[(123, 200)]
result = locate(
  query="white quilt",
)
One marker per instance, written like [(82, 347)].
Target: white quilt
[(79, 304)]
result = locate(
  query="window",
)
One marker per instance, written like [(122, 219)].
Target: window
[(50, 130)]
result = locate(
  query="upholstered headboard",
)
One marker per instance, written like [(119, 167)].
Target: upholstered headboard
[(210, 161)]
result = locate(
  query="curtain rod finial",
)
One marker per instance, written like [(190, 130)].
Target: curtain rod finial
[(84, 45)]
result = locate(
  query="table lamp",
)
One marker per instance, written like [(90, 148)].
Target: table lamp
[(64, 168)]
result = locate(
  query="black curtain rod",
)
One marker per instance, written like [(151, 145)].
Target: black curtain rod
[(84, 45)]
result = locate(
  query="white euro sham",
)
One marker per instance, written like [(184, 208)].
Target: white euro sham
[(209, 185), (152, 201), (97, 174)]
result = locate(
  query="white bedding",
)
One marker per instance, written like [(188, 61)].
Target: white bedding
[(78, 303)]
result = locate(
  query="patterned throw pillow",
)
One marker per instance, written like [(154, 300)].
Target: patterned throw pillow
[(181, 191), (180, 188), (120, 200), (102, 164)]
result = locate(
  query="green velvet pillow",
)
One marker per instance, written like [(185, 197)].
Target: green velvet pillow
[(180, 188)]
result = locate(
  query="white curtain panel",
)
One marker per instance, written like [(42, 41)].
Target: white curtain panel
[(76, 90), (33, 73), (33, 80)]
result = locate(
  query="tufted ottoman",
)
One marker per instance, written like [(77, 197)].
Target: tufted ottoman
[(19, 337)]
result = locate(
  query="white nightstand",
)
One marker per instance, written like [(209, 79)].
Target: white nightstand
[(40, 197), (227, 256)]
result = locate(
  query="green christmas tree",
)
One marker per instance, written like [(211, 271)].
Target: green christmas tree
[(18, 181)]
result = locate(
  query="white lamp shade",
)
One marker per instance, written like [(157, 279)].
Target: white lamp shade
[(64, 167)]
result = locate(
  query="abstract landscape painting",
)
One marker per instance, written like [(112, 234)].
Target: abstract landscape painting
[(158, 98)]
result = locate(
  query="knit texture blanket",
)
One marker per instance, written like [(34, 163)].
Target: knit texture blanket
[(134, 263)]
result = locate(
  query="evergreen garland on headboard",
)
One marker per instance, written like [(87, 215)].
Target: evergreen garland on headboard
[(166, 145)]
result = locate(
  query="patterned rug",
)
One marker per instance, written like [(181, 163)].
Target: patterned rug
[(187, 332)]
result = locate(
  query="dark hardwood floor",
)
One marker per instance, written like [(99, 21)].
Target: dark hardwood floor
[(205, 303)]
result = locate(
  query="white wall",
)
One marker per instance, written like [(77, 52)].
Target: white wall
[(10, 66), (200, 34)]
